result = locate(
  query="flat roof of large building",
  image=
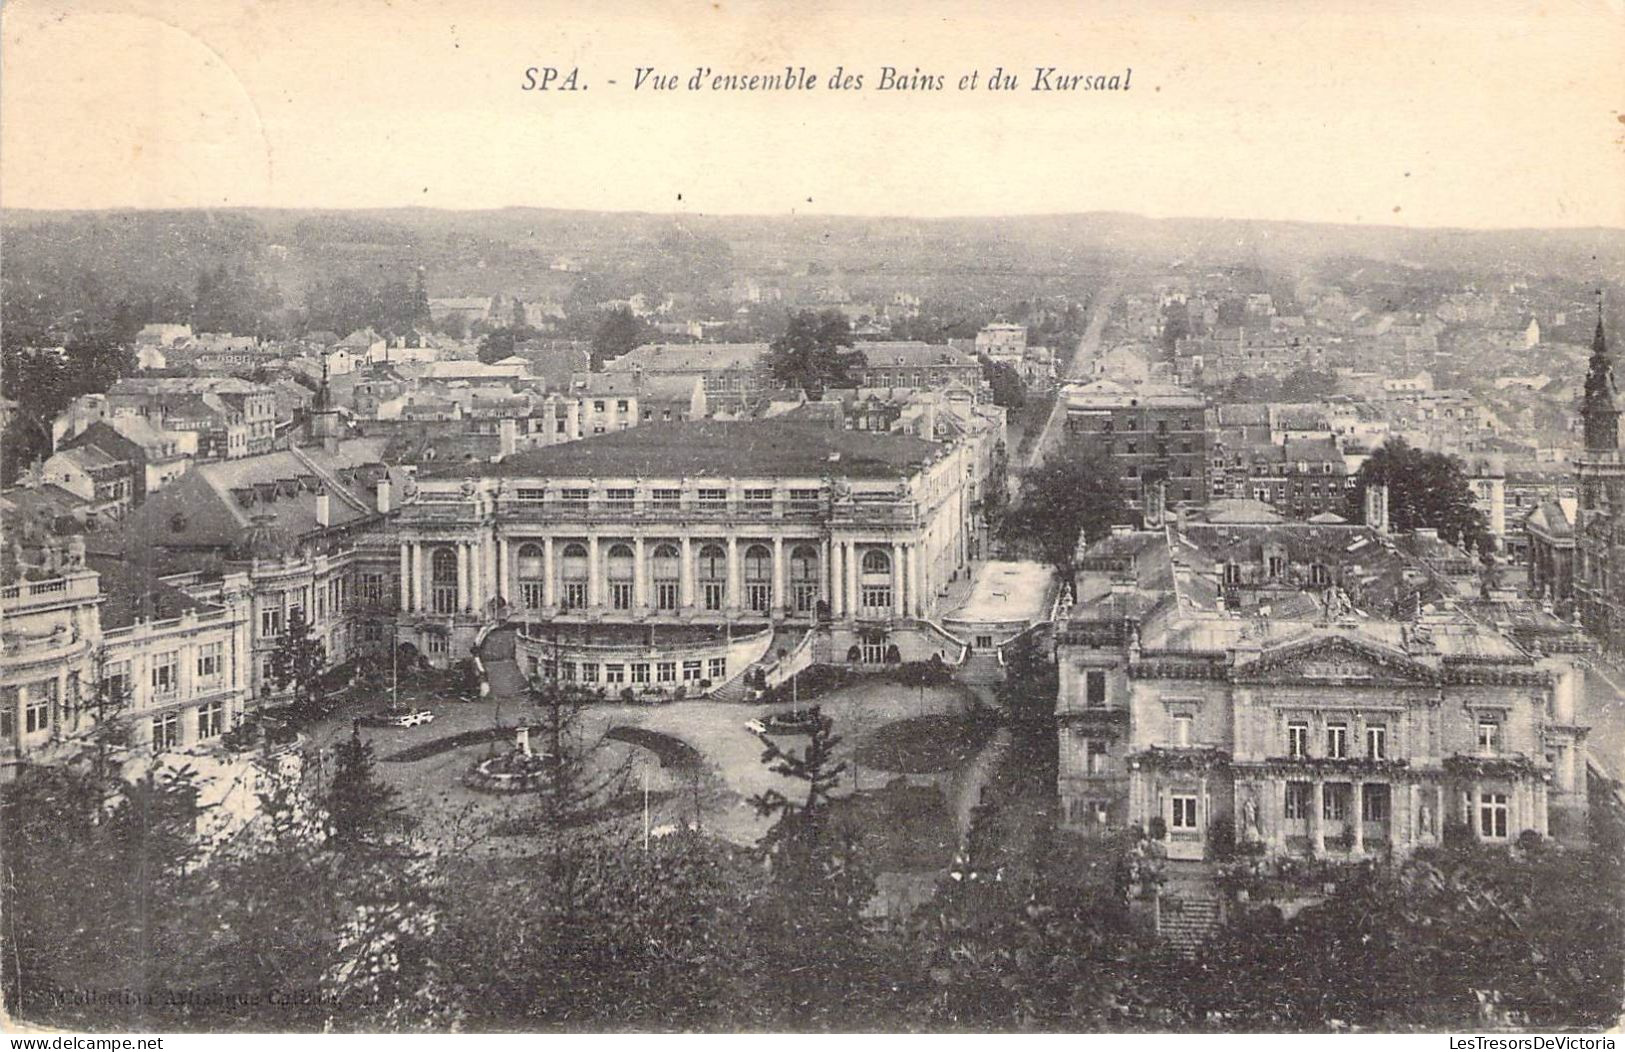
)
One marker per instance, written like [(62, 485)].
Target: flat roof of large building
[(1008, 592), (774, 448)]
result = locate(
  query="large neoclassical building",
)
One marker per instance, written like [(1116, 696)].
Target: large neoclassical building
[(636, 553)]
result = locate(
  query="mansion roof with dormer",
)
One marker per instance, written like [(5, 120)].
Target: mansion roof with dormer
[(717, 449)]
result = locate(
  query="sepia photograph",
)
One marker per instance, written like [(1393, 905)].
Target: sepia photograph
[(805, 517)]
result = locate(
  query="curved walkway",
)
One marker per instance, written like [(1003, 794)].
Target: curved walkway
[(501, 670)]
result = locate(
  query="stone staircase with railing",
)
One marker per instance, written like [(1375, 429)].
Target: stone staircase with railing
[(1185, 922)]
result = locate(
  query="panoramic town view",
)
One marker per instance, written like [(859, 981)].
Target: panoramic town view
[(584, 619)]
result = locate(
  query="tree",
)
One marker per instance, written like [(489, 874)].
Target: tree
[(298, 663), (810, 920), (359, 804), (810, 354), (499, 343), (1008, 388), (1424, 490), (618, 331), (1074, 493)]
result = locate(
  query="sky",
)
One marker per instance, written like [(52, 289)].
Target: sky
[(1439, 113)]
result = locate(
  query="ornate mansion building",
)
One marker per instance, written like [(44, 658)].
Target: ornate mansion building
[(1311, 689), (670, 554)]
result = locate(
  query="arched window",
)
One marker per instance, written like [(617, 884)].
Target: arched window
[(620, 576), (804, 578), (574, 574), (532, 567), (875, 590), (713, 573), (667, 571), (443, 578), (758, 578)]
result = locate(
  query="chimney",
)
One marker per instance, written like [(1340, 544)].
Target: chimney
[(383, 495), (324, 509), (507, 437)]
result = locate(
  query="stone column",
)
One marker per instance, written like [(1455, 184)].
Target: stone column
[(854, 598), (916, 589), (1356, 816), (406, 576), (417, 576), (775, 609), (899, 599), (504, 571), (826, 574), (640, 595), (1317, 818), (733, 573), (550, 580), (1412, 820), (595, 588), (685, 577), (463, 596)]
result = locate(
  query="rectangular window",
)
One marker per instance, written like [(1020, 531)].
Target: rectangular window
[(1094, 687), (1184, 814), (1182, 729), (666, 595), (757, 499), (640, 672), (1374, 803), (116, 682), (211, 720), (666, 672), (271, 622), (1298, 798), (575, 595), (210, 660), (668, 497), (1336, 808), (876, 598), (1337, 741), (1489, 737), (532, 594), (713, 497), (166, 731), (620, 595), (567, 671), (165, 673), (1492, 815), (438, 644), (759, 597), (1376, 741), (716, 670), (575, 496), (803, 496), (619, 496), (443, 598), (1095, 757), (589, 672), (691, 672), (715, 593), (37, 709), (598, 405), (532, 495), (1297, 740), (614, 673)]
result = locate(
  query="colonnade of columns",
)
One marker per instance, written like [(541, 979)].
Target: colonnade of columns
[(487, 568)]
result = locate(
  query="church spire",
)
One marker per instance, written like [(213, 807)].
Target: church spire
[(1600, 409)]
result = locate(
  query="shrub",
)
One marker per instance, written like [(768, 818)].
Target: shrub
[(1529, 840), (627, 696), (1221, 834), (1158, 828), (1458, 835)]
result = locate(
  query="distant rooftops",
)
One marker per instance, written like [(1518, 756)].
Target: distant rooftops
[(689, 357)]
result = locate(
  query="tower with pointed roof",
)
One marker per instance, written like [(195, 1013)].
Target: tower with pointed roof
[(1600, 521), (322, 426)]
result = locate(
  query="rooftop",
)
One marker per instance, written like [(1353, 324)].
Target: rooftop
[(689, 357), (775, 448), (1008, 592)]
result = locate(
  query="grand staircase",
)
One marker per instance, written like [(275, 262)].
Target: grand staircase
[(1185, 922)]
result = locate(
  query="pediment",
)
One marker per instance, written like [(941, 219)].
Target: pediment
[(1336, 659)]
